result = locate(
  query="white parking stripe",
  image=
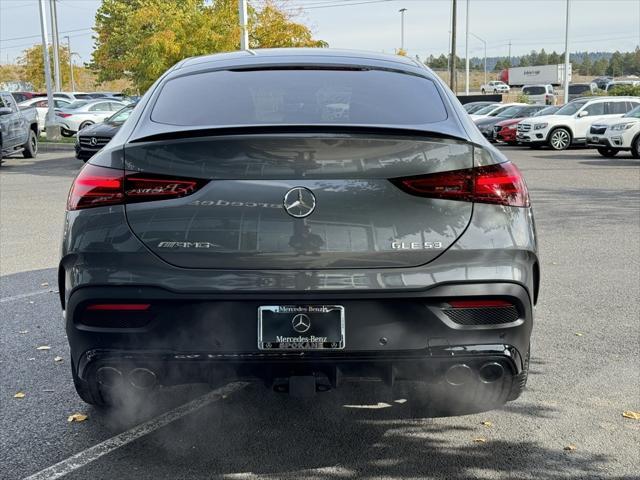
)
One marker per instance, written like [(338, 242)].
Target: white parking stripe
[(25, 295), (91, 454)]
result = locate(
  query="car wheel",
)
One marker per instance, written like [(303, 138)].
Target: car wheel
[(85, 125), (635, 147), (66, 133), (495, 91), (608, 152), (31, 147), (483, 91), (560, 139)]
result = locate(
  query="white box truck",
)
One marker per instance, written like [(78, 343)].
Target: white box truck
[(537, 74)]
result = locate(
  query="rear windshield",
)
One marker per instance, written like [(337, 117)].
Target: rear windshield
[(534, 90), (299, 97), (579, 88)]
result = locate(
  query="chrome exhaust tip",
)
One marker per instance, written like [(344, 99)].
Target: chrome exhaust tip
[(458, 374), (491, 372), (142, 378), (108, 376)]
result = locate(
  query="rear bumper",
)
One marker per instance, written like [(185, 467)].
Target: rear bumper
[(404, 335)]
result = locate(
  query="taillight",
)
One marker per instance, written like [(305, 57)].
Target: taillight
[(63, 115), (119, 307), (501, 184), (99, 186)]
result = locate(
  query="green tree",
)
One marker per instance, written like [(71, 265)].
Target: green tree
[(32, 63), (599, 67), (543, 58), (585, 66), (554, 58), (140, 39), (616, 65)]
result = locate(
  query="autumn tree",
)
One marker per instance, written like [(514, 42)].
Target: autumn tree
[(140, 39), (32, 65)]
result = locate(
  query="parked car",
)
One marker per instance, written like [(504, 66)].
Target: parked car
[(577, 90), (602, 82), (615, 83), (495, 86), (617, 134), (18, 128), (184, 260), (485, 125), (570, 124), (540, 94), (22, 96), (42, 107), (492, 110), (505, 130), (82, 113), (91, 139), (72, 96), (473, 107)]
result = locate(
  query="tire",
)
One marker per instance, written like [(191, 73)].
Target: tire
[(512, 144), (535, 146), (66, 133), (635, 147), (85, 124), (608, 152), (483, 91), (495, 91), (31, 147), (559, 139)]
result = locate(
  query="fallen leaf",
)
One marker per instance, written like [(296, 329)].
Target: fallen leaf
[(44, 284), (31, 359), (19, 395), (480, 440), (632, 415), (44, 347), (578, 334), (23, 331), (58, 359), (487, 423), (570, 448), (77, 417)]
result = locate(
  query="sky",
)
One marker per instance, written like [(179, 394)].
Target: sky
[(595, 25)]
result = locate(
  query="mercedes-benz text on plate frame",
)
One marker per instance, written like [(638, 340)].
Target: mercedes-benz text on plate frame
[(309, 213), (299, 202)]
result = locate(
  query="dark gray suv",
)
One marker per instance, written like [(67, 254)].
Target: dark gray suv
[(301, 217)]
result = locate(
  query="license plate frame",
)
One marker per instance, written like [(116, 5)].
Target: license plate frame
[(325, 330)]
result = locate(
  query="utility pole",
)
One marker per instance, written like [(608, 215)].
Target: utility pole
[(466, 53), (53, 131), (73, 83), (485, 55), (509, 52), (566, 56), (452, 64), (56, 44), (402, 10), (244, 31)]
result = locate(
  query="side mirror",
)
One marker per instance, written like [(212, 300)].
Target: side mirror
[(5, 111), (583, 113)]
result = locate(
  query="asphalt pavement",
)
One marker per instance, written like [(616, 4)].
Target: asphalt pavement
[(585, 367)]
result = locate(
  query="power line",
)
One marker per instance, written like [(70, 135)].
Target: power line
[(38, 36)]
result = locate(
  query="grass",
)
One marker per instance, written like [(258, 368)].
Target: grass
[(44, 139)]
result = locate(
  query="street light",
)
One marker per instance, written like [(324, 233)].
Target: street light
[(485, 55), (402, 10), (466, 52)]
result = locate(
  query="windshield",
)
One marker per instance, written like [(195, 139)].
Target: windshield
[(76, 104), (496, 112), (486, 110), (546, 111), (509, 112), (299, 97), (635, 113), (534, 90), (570, 108), (579, 88), (120, 116)]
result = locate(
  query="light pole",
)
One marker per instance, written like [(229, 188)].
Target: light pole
[(53, 131), (56, 44), (485, 55), (402, 10), (566, 57), (73, 83), (452, 64), (244, 31), (466, 52)]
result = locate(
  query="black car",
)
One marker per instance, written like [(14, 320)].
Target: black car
[(485, 125), (90, 140), (602, 82)]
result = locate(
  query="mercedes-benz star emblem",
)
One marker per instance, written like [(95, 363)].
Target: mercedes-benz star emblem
[(301, 323), (299, 202), (93, 141)]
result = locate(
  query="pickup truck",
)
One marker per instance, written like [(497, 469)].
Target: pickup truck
[(18, 128)]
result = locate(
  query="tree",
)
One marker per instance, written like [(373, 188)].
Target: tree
[(543, 58), (140, 39), (554, 58), (32, 63), (615, 64), (585, 66), (599, 66)]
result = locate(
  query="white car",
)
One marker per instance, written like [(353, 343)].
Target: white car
[(492, 110), (82, 113), (570, 124), (72, 96), (42, 106), (495, 86), (540, 94), (617, 134)]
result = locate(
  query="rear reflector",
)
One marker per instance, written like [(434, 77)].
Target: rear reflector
[(479, 303), (99, 186), (124, 307), (500, 184)]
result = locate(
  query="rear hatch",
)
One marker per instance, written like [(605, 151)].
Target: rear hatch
[(238, 219)]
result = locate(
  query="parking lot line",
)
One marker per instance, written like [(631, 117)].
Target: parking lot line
[(91, 454), (24, 295)]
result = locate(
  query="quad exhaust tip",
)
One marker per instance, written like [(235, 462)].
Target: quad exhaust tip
[(109, 376), (491, 372), (458, 374), (142, 378)]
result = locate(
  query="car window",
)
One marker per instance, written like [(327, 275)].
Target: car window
[(635, 113), (497, 112), (595, 109), (82, 96), (114, 106), (75, 105), (570, 108), (617, 107), (486, 110), (579, 88), (510, 112), (9, 102), (299, 97), (41, 104), (60, 103), (534, 90), (100, 107), (121, 115)]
